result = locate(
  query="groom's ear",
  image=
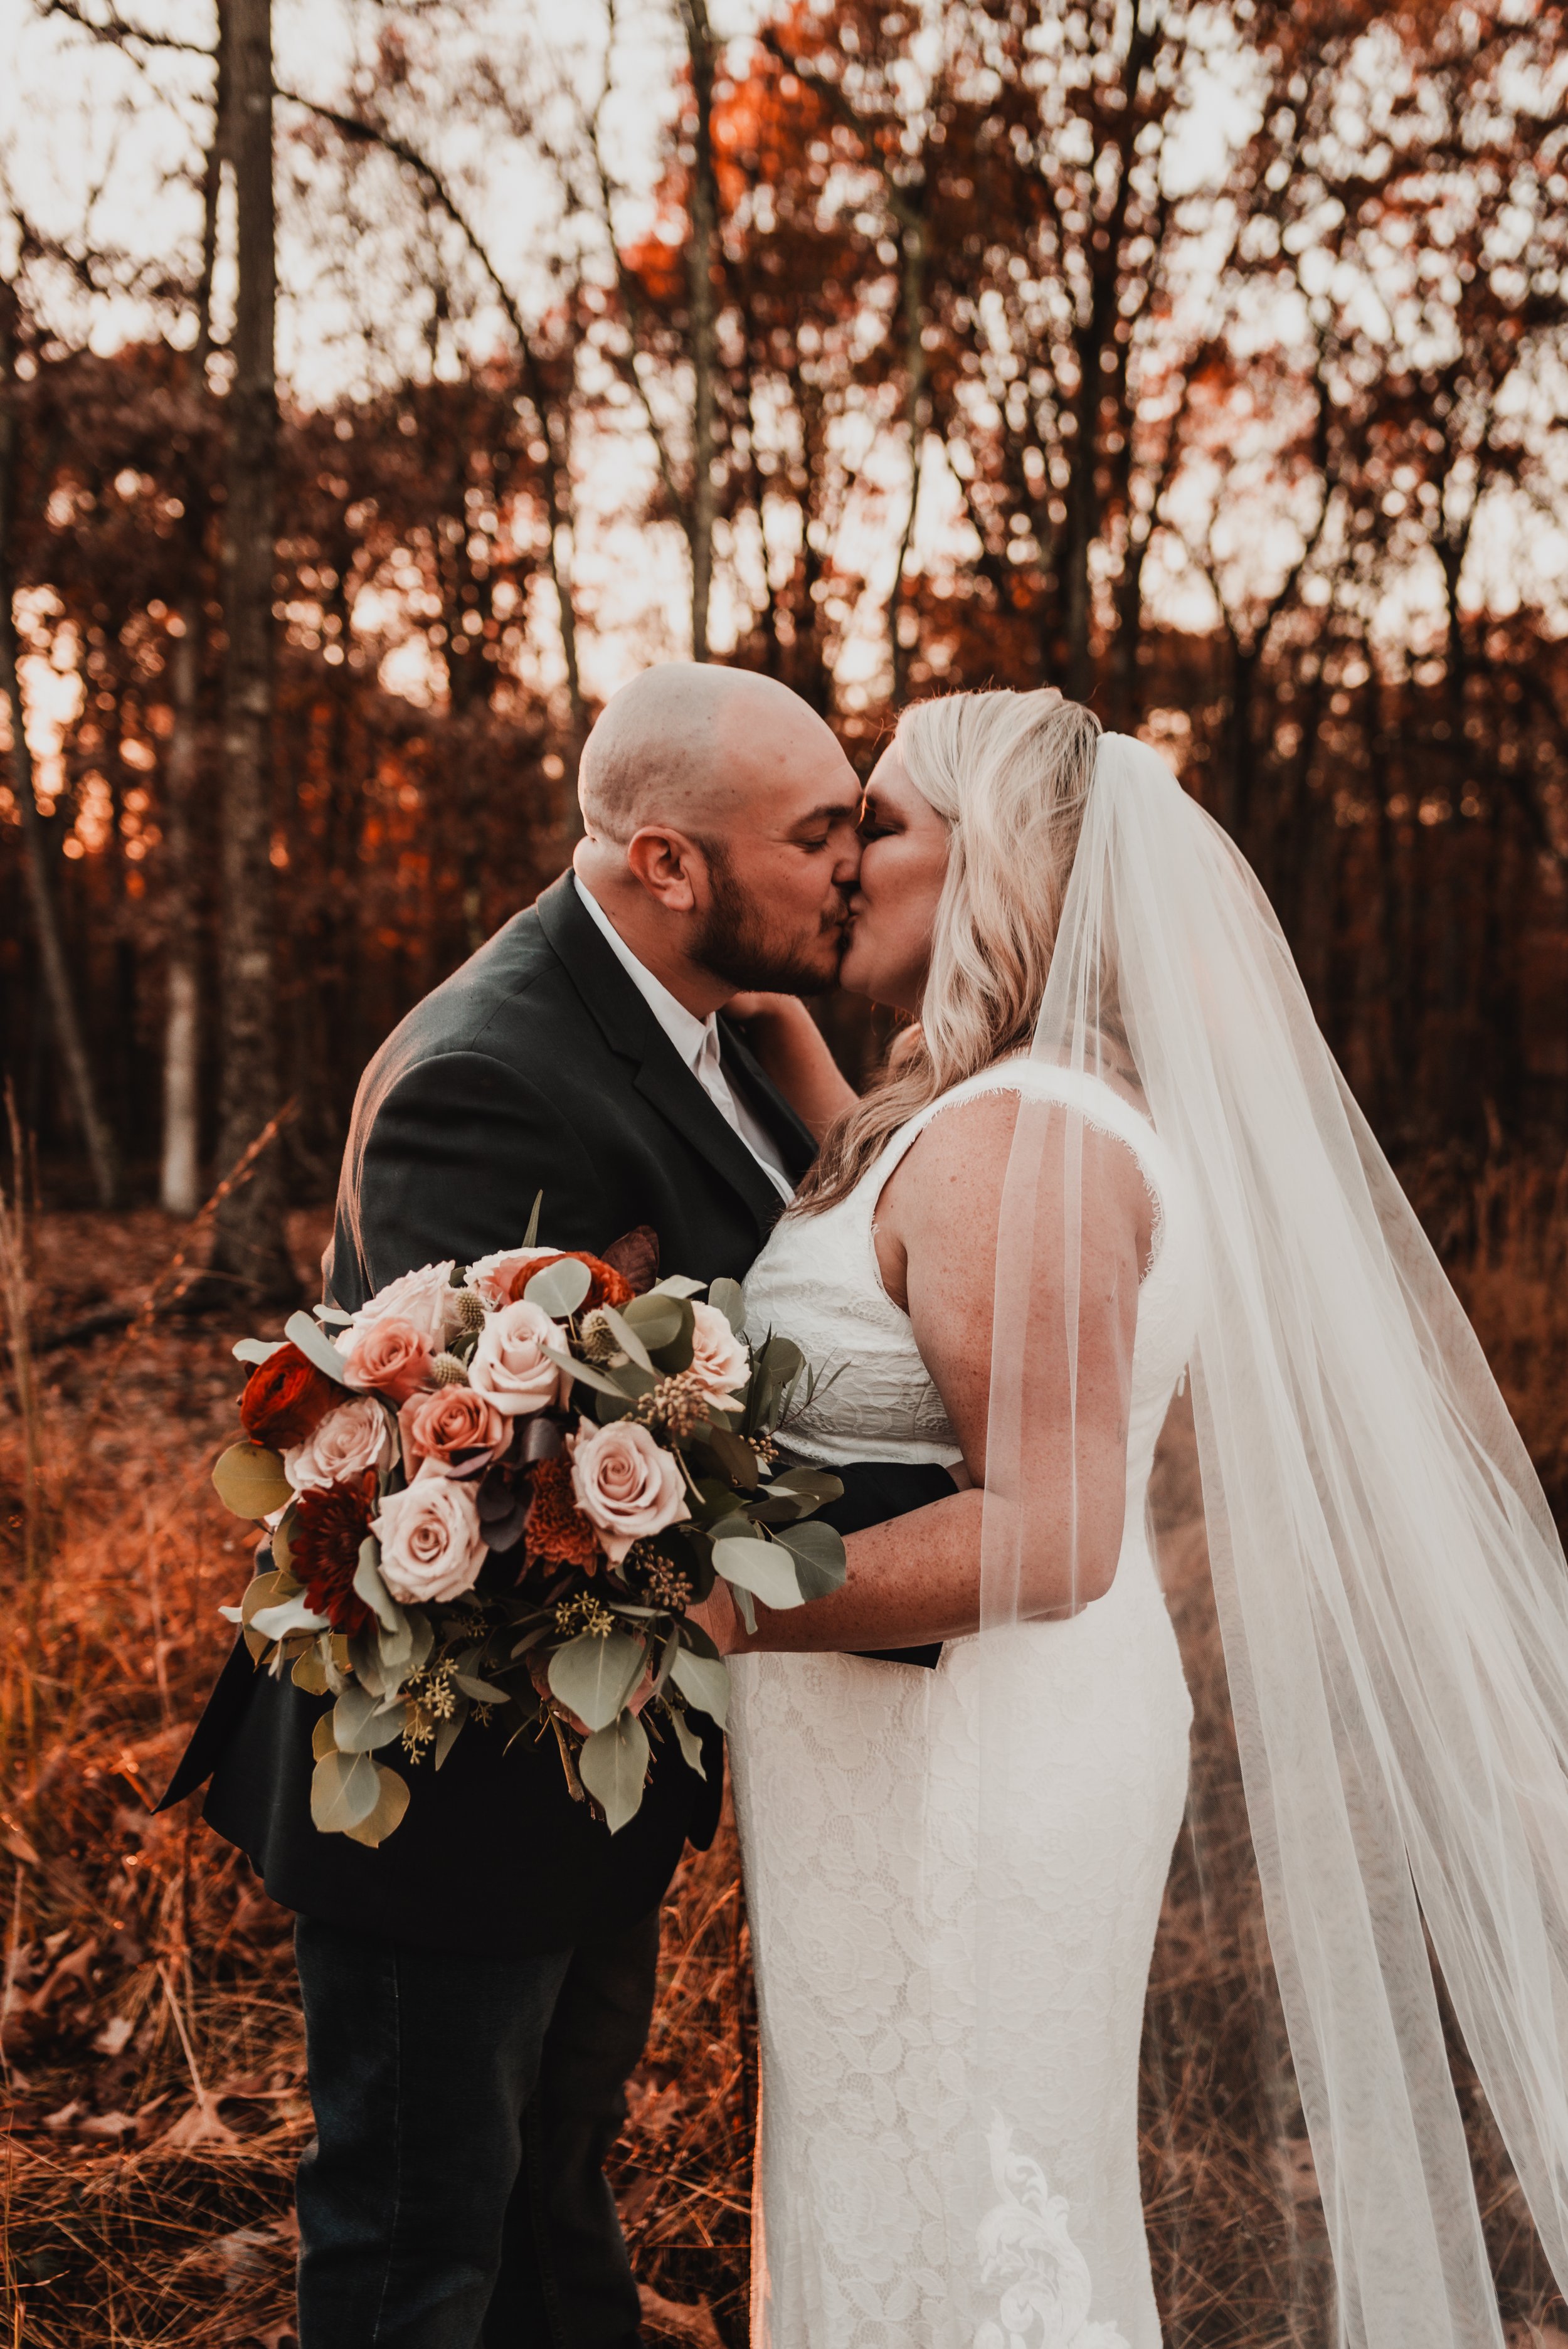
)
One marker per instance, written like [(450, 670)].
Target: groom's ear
[(669, 865)]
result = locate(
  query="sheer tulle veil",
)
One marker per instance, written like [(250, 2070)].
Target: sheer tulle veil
[(1391, 1591)]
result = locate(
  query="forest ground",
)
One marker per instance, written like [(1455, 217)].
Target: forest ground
[(151, 2057)]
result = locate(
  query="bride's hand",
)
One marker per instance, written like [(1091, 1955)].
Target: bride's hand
[(794, 1051)]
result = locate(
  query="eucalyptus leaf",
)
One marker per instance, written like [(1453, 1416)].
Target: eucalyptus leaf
[(345, 1790), (765, 1568), (391, 1802), (586, 1372), (703, 1680), (686, 1739), (626, 1338), (613, 1766), (561, 1288), (369, 1586), (446, 1732), (734, 1456), (815, 1486), (656, 1318), (294, 1614), (672, 1648), (360, 1726), (730, 1299), (309, 1672), (331, 1319), (256, 1350), (818, 1554), (322, 1741), (313, 1342), (594, 1677), (263, 1591), (531, 1236), (677, 1284), (745, 1608), (482, 1691), (250, 1479)]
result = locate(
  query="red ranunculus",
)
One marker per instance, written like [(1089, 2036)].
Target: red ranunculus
[(609, 1287), (286, 1397), (324, 1548)]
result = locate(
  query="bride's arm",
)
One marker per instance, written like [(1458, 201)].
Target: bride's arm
[(916, 1578), (794, 1051)]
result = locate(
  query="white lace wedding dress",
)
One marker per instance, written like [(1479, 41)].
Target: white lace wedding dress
[(856, 1789)]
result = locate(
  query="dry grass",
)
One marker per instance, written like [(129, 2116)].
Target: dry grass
[(151, 2052)]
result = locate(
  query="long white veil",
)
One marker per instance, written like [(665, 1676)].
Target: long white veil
[(1391, 1591)]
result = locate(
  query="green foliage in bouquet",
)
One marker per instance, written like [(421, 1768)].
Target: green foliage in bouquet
[(494, 1494)]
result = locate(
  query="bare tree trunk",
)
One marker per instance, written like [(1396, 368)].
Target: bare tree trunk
[(249, 1242), (34, 847), (180, 1186), (912, 240), (702, 254)]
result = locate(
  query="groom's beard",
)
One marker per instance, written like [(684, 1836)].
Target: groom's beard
[(735, 944)]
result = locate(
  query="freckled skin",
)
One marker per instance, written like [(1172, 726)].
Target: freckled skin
[(917, 1578)]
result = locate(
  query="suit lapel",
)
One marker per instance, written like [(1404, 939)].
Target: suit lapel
[(661, 1077)]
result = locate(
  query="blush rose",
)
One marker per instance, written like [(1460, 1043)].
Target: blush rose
[(719, 1360), (431, 1543), (451, 1420), (509, 1364), (426, 1298), (353, 1437), (626, 1485), (495, 1278), (390, 1356)]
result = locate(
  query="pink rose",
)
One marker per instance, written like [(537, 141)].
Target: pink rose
[(719, 1360), (391, 1354), (431, 1544), (494, 1278), (353, 1436), (509, 1364), (426, 1298), (451, 1419), (626, 1486)]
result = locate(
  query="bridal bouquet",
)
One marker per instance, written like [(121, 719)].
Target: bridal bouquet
[(493, 1493)]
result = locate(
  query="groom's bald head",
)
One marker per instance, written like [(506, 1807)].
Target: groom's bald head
[(720, 821), (694, 746)]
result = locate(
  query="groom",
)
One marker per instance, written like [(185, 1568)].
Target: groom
[(478, 1989)]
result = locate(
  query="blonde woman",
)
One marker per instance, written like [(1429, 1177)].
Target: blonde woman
[(1118, 1151), (858, 1784)]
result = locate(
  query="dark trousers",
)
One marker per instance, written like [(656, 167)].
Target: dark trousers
[(454, 2196)]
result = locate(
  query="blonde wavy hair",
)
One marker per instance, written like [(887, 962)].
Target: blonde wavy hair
[(1009, 774)]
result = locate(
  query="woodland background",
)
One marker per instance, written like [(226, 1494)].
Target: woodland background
[(379, 385)]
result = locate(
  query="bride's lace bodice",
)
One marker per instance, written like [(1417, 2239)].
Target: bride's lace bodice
[(818, 1278), (858, 1792)]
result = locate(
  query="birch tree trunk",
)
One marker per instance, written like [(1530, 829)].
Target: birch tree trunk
[(250, 1241), (57, 989), (179, 1187)]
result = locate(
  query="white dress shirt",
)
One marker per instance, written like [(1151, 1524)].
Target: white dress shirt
[(696, 1041)]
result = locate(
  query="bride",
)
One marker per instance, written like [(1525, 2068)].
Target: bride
[(1118, 1151)]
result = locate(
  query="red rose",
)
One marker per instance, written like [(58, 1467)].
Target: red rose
[(324, 1548), (286, 1397), (556, 1527), (608, 1286)]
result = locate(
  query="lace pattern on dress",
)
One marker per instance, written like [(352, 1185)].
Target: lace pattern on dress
[(1046, 2289)]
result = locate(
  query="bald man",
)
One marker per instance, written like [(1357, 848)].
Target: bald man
[(478, 1989)]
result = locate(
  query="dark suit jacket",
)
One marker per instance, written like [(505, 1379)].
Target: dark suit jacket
[(536, 1067)]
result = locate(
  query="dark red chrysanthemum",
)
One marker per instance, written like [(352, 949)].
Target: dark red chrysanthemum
[(556, 1527), (324, 1548), (285, 1399)]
